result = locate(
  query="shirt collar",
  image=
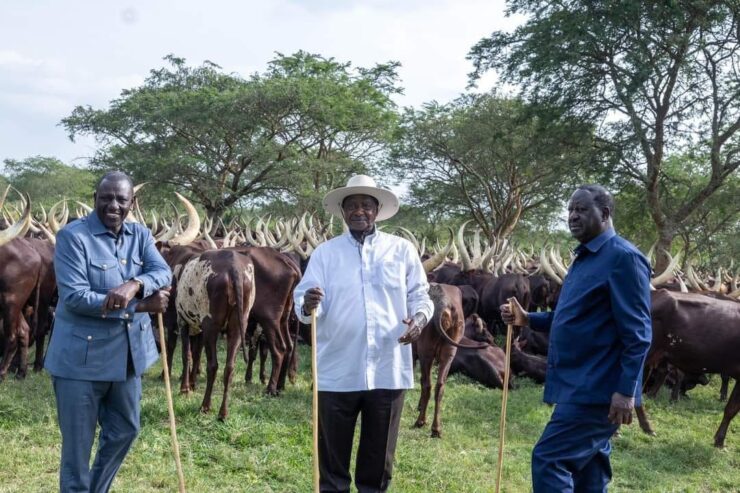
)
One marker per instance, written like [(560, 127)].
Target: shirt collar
[(369, 238), (595, 244), (98, 228)]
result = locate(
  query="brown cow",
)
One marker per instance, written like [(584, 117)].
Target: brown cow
[(217, 292), (484, 365), (439, 342), (20, 274), (698, 334)]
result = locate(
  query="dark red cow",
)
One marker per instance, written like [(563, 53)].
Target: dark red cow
[(698, 334)]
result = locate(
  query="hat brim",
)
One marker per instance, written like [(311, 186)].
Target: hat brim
[(387, 201)]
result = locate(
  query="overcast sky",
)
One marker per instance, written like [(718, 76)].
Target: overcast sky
[(55, 55)]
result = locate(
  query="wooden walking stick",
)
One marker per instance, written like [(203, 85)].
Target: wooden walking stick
[(170, 407), (315, 405), (504, 399)]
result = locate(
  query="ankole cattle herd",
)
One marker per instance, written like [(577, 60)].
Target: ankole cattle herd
[(236, 280)]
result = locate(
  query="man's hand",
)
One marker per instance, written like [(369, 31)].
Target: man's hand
[(119, 297), (156, 303), (311, 299), (416, 325), (620, 412), (517, 317)]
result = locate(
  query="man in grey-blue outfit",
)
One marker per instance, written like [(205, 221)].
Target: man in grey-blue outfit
[(109, 275)]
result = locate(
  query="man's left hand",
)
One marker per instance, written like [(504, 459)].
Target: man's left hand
[(620, 411), (416, 325)]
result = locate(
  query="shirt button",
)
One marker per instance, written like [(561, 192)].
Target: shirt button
[(123, 261), (125, 315), (105, 266), (89, 338)]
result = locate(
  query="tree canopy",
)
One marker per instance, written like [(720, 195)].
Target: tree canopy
[(657, 78), (494, 159), (299, 128), (47, 180)]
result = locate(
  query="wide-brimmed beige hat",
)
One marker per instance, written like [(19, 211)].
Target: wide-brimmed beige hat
[(362, 184)]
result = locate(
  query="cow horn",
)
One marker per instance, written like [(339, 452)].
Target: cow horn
[(691, 276), (2, 198), (668, 272), (436, 260), (410, 236), (20, 227), (651, 252), (455, 258), (464, 256), (547, 268), (53, 224), (138, 187), (717, 287), (682, 284), (557, 263), (191, 232)]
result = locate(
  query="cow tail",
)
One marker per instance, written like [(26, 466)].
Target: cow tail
[(237, 280)]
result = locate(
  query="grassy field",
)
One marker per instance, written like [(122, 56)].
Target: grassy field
[(265, 446)]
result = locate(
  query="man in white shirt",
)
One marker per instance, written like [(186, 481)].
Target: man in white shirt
[(369, 289)]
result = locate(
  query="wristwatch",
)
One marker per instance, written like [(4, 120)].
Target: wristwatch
[(140, 283)]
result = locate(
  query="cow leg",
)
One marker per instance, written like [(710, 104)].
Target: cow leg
[(264, 350), (210, 341), (425, 364), (41, 329), (287, 351), (24, 332), (11, 345), (678, 379), (251, 355), (196, 350), (233, 338), (660, 375), (642, 418), (445, 360), (731, 409), (293, 368), (187, 360), (171, 343), (277, 351), (724, 387)]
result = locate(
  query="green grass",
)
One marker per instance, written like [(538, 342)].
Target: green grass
[(265, 445)]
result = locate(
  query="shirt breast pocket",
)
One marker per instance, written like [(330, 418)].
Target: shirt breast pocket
[(103, 273), (137, 266), (389, 274)]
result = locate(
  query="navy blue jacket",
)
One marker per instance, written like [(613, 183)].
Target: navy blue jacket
[(601, 330), (89, 260)]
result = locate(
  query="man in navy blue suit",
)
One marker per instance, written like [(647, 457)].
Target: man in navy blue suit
[(600, 333), (109, 275)]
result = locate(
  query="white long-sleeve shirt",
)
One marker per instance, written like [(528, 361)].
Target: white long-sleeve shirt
[(369, 289)]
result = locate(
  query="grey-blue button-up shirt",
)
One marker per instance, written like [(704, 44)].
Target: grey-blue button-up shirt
[(90, 260)]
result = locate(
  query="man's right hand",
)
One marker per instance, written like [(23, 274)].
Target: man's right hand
[(514, 315), (311, 299), (156, 303)]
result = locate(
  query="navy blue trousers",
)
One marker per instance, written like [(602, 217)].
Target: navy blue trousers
[(81, 404), (572, 455)]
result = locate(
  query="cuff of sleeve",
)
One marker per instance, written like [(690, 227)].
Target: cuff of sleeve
[(627, 387), (306, 319), (538, 320)]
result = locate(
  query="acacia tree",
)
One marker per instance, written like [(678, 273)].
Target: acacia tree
[(659, 78), (493, 158), (224, 138)]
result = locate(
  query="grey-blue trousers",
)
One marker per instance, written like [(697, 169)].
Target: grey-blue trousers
[(81, 405)]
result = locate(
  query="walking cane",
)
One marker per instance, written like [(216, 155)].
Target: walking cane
[(170, 408), (315, 406), (504, 399)]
